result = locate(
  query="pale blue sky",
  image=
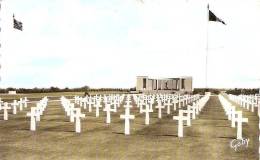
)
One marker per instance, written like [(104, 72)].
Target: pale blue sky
[(104, 43)]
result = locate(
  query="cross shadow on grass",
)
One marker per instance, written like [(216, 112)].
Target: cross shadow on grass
[(140, 134)]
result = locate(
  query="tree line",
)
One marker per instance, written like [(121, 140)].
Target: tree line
[(235, 91), (57, 89), (244, 91)]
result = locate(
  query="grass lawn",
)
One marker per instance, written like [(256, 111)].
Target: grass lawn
[(208, 138)]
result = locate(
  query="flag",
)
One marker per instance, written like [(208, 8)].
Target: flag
[(17, 24), (213, 17)]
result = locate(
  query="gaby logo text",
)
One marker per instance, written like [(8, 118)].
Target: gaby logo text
[(238, 144)]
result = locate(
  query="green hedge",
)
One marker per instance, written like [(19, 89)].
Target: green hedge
[(203, 90), (244, 91), (56, 89)]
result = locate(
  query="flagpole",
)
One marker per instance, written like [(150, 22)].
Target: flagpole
[(259, 93), (0, 41), (207, 49)]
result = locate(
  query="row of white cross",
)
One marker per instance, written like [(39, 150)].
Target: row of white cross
[(74, 113), (233, 115), (36, 112), (191, 112), (22, 103), (145, 103), (148, 103), (112, 102), (174, 99), (115, 100), (246, 101)]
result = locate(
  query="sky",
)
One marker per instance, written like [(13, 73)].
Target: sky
[(103, 43)]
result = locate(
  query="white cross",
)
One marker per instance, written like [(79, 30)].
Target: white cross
[(5, 108), (33, 115), (185, 100), (232, 116), (66, 105), (151, 102), (1, 102), (76, 99), (39, 111), (108, 110), (239, 121), (247, 102), (21, 104), (81, 101), (84, 102), (196, 106), (168, 105), (189, 99), (78, 115), (244, 101), (188, 112), (160, 107), (253, 104), (127, 118), (174, 104), (147, 116), (114, 105), (180, 120), (98, 105), (192, 109), (15, 104), (105, 99), (138, 102), (25, 102), (141, 104), (71, 110), (90, 103), (179, 100)]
